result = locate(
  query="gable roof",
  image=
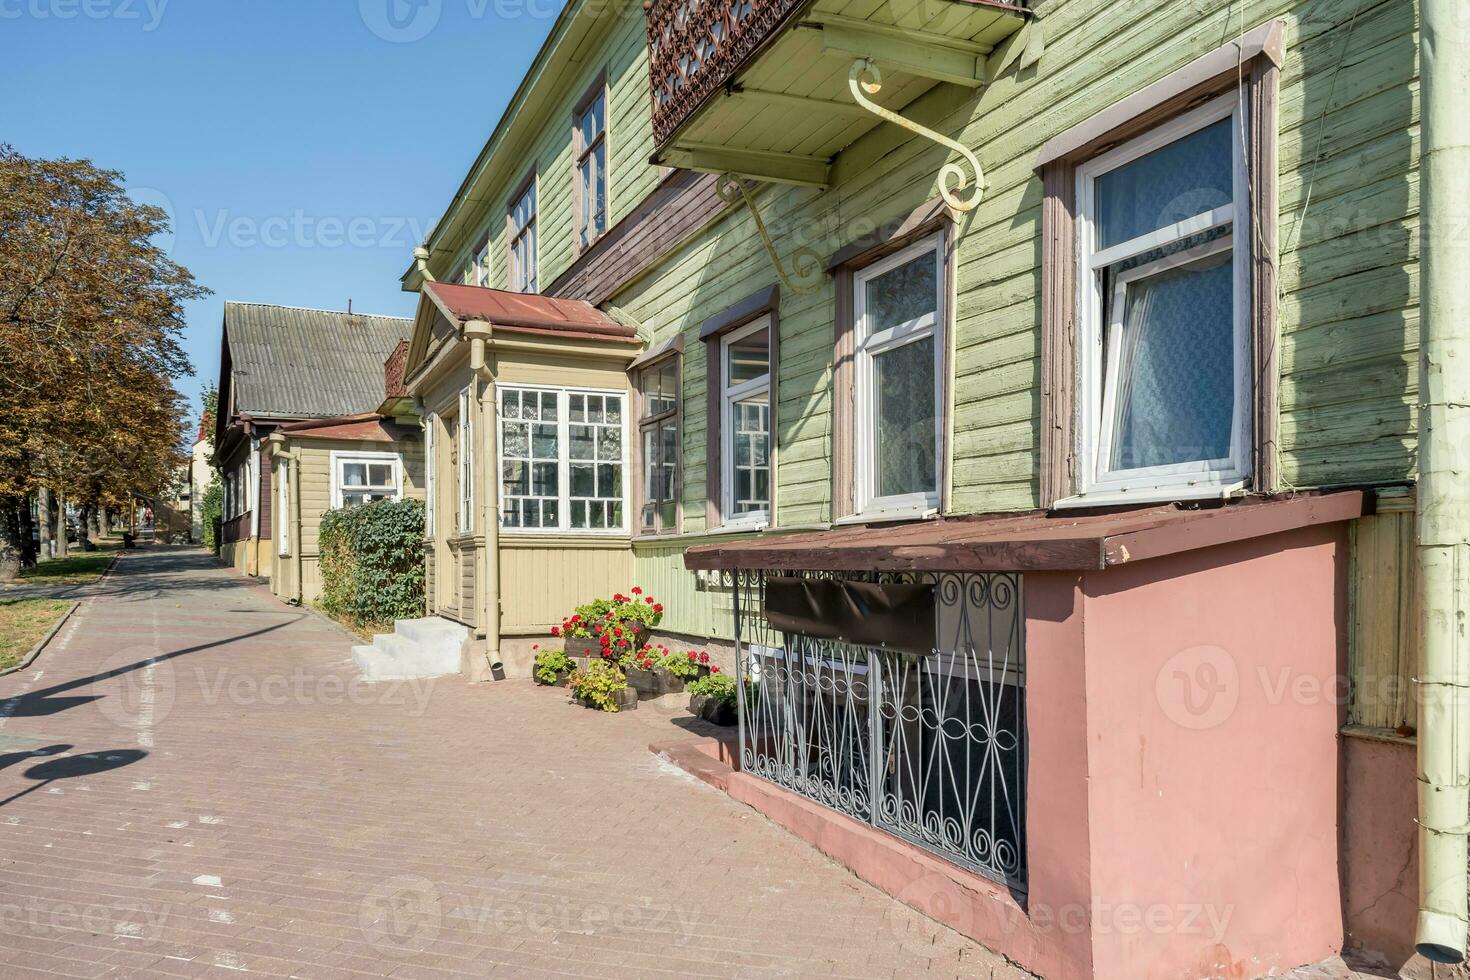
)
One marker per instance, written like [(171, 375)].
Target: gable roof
[(289, 362)]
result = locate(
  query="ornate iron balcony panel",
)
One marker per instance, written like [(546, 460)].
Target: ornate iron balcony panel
[(696, 46), (930, 748)]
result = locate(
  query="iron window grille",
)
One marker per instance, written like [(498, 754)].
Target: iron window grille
[(928, 748)]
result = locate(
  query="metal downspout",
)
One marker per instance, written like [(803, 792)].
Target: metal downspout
[(477, 332), (1443, 520)]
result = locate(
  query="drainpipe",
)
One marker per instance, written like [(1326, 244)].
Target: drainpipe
[(293, 465), (477, 332), (1443, 524), (421, 256)]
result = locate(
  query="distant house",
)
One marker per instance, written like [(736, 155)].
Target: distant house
[(281, 365), (200, 474), (319, 465)]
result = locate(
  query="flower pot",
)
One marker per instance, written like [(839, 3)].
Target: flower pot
[(561, 680), (627, 700), (645, 682), (717, 711), (669, 682), (697, 703), (577, 646)]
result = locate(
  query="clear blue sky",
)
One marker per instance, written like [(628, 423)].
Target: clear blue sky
[(302, 146)]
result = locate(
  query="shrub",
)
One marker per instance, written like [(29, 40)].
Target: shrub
[(599, 683), (686, 664), (372, 562), (551, 664), (211, 511)]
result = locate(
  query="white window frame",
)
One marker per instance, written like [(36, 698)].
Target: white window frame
[(466, 501), (585, 153), (283, 506), (729, 395), (1097, 376), (524, 273), (564, 471), (867, 346), (340, 456), (252, 487), (431, 422)]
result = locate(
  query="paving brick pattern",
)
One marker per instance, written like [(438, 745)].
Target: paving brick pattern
[(193, 783)]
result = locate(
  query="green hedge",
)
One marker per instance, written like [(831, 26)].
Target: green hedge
[(372, 562)]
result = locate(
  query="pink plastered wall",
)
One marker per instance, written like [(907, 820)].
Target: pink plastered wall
[(1214, 704)]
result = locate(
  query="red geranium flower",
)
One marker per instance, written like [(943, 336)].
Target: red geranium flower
[(556, 631), (714, 670), (617, 631), (637, 591), (658, 607), (703, 657), (648, 599), (692, 655)]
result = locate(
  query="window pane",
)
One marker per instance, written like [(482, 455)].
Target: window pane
[(515, 475), (583, 483), (381, 474), (902, 294), (544, 481), (748, 358), (354, 474), (599, 207), (613, 413), (1188, 177), (579, 513), (752, 425), (543, 442), (609, 443), (548, 406), (510, 405), (904, 413), (1176, 367), (579, 444), (576, 407), (517, 443)]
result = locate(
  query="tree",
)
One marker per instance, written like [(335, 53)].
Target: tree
[(91, 312)]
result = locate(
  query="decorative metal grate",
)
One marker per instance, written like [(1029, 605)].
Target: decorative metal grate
[(929, 748), (697, 46)]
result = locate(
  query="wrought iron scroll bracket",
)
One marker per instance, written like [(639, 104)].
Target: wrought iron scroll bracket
[(805, 275), (864, 79)]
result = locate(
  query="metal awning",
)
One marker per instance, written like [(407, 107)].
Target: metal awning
[(1035, 540)]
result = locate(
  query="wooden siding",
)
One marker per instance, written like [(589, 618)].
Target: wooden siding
[(543, 579), (624, 56), (689, 608), (1383, 646)]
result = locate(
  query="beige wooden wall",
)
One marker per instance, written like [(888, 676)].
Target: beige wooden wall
[(1383, 645)]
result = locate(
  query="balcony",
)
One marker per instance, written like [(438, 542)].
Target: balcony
[(761, 88)]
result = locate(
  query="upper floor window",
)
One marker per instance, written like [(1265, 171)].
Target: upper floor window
[(745, 408), (477, 270), (1164, 310), (362, 477), (562, 459), (590, 146), (658, 435), (898, 379), (521, 227)]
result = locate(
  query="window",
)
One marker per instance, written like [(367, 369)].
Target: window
[(562, 459), (522, 233), (360, 478), (658, 439), (1164, 301), (283, 506), (590, 145), (898, 379), (465, 458), (477, 267), (745, 420)]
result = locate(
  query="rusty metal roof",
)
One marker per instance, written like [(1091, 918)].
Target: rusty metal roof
[(1034, 540), (527, 311)]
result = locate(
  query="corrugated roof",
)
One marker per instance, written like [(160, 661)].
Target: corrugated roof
[(300, 363)]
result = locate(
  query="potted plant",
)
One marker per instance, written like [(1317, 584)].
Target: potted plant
[(642, 673), (677, 669), (552, 667), (602, 686), (713, 698), (620, 625)]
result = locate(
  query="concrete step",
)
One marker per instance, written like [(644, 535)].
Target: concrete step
[(375, 664), (430, 630), (418, 648)]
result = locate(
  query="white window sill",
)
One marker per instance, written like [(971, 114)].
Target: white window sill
[(738, 527), (889, 516), (1151, 495)]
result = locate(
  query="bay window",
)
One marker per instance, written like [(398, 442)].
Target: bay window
[(1164, 301), (745, 421), (562, 459), (898, 380), (363, 477), (658, 435)]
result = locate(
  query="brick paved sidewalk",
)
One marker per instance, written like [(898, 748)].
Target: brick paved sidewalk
[(192, 783)]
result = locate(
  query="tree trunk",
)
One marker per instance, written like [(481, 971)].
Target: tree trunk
[(10, 546), (27, 520), (62, 548), (46, 522)]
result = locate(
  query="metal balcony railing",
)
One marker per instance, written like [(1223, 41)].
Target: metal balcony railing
[(696, 46)]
